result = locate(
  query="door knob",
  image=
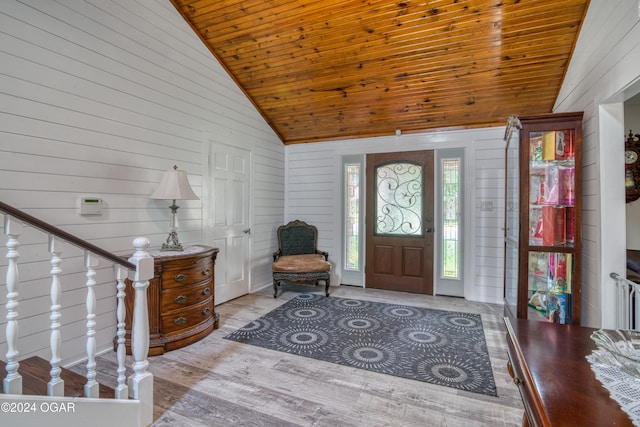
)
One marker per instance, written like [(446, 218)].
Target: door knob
[(247, 231)]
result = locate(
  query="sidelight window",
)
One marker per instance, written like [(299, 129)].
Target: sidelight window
[(352, 216), (353, 220), (451, 218)]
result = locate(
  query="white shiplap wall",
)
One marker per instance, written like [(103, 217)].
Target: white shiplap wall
[(99, 98), (487, 278), (313, 195), (604, 72)]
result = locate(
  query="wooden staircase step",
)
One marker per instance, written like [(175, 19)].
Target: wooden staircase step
[(35, 376)]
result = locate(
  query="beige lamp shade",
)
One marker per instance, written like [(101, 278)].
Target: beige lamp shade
[(174, 186)]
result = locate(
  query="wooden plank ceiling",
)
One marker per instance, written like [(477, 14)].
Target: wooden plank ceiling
[(326, 69)]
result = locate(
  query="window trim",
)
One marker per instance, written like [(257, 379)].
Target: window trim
[(443, 283), (350, 276)]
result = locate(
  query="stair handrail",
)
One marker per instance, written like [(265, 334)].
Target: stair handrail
[(58, 232), (140, 266)]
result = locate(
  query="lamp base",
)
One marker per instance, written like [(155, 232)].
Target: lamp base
[(172, 243)]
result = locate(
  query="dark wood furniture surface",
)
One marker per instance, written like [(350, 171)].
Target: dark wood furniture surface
[(525, 201), (180, 299), (558, 388)]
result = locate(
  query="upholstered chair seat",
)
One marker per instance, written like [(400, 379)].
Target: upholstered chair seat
[(312, 263)]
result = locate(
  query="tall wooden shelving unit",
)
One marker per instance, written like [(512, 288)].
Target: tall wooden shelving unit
[(543, 217)]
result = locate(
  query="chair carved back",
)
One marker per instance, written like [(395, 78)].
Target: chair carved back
[(297, 238)]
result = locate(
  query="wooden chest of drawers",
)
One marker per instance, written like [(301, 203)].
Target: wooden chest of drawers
[(180, 299)]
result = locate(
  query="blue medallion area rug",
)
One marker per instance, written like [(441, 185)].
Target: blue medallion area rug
[(435, 346)]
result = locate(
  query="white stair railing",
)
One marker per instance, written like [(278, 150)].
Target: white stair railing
[(91, 387), (627, 303), (141, 381), (139, 386), (55, 387), (122, 391), (12, 383)]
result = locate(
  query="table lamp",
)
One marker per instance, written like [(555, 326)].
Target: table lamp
[(174, 186)]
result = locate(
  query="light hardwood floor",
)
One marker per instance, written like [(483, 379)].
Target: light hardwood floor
[(216, 382)]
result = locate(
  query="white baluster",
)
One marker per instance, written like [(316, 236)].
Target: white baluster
[(91, 387), (13, 380), (141, 381), (122, 391), (55, 387)]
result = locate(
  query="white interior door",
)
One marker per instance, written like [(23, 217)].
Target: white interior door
[(227, 216)]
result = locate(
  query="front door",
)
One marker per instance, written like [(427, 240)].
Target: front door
[(226, 218), (399, 221)]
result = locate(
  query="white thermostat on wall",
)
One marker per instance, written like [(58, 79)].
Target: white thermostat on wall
[(90, 206)]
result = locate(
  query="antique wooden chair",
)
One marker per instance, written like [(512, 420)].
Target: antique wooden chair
[(298, 259)]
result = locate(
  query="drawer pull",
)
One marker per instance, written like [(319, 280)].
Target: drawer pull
[(181, 277), (206, 311), (206, 272), (206, 291), (180, 321), (180, 299), (512, 373)]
